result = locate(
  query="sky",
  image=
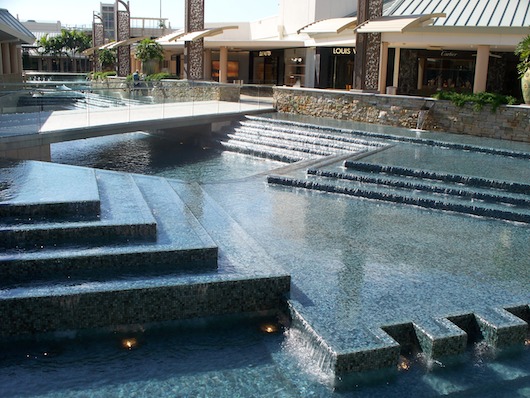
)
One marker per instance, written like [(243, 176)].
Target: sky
[(79, 12)]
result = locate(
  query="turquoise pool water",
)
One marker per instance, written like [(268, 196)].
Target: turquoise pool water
[(356, 265)]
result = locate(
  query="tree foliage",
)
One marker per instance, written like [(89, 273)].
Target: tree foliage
[(67, 43), (149, 50), (106, 58), (523, 52)]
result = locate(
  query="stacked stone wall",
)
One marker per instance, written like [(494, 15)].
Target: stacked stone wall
[(507, 122)]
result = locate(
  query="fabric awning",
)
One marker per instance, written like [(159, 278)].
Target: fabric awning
[(192, 36), (398, 24), (332, 25)]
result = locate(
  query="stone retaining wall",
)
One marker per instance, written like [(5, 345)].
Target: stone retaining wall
[(171, 90), (508, 122)]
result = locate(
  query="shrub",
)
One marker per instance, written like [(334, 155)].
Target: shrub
[(478, 100)]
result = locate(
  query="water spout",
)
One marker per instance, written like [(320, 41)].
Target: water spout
[(422, 115)]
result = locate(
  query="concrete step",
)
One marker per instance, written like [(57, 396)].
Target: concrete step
[(469, 181), (32, 191), (247, 280), (305, 149), (456, 189), (374, 132), (181, 244), (308, 138), (265, 151), (408, 197), (124, 218)]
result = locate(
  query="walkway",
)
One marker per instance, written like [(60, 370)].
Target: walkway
[(19, 131)]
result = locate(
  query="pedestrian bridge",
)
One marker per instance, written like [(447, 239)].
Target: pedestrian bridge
[(29, 135)]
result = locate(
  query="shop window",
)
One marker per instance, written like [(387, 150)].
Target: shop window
[(448, 74)]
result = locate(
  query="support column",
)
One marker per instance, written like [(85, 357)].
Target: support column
[(208, 64), (1, 60), (194, 50), (367, 47), (223, 65), (481, 69), (6, 59), (15, 64), (421, 73), (123, 32), (383, 66), (309, 74), (397, 60)]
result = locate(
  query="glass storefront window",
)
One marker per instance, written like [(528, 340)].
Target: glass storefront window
[(449, 74)]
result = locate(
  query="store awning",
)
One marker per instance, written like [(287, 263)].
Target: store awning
[(398, 24), (332, 25), (192, 36)]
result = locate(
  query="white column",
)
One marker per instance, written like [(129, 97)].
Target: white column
[(6, 59), (397, 60), (310, 71), (223, 65), (481, 69), (383, 65)]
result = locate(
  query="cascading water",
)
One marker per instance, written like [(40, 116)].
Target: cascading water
[(422, 116)]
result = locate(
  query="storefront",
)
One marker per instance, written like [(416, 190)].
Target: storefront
[(267, 67), (334, 67), (423, 72), (445, 70)]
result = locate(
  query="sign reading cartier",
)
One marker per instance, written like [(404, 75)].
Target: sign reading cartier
[(342, 51)]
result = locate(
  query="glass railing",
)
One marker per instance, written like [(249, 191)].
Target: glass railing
[(41, 105)]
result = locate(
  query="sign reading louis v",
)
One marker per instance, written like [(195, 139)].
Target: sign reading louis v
[(342, 51)]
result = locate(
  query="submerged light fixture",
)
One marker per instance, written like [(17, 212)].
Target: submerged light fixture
[(129, 343), (403, 364), (269, 328)]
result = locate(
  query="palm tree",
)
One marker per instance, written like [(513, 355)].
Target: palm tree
[(51, 45), (75, 42), (69, 42)]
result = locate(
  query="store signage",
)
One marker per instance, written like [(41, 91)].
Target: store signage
[(342, 51), (448, 54), (265, 53)]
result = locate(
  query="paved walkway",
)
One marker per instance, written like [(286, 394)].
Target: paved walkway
[(56, 126)]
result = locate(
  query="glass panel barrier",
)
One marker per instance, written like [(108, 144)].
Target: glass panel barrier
[(40, 105)]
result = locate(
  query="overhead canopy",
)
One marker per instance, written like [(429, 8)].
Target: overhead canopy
[(398, 24), (127, 42), (12, 29), (192, 36), (332, 25), (114, 44)]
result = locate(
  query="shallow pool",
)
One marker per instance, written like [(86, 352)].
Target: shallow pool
[(356, 265)]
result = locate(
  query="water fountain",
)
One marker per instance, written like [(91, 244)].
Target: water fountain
[(368, 281)]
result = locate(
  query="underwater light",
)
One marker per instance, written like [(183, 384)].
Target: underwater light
[(129, 343), (403, 364), (269, 328), (527, 342)]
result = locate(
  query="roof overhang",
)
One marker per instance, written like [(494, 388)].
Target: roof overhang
[(398, 24), (128, 42), (329, 26), (12, 30), (200, 34)]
